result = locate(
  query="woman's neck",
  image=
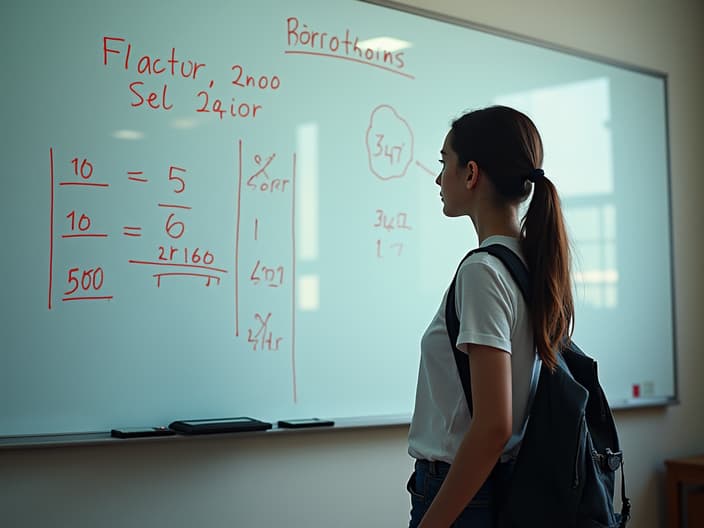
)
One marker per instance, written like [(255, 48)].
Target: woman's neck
[(493, 222)]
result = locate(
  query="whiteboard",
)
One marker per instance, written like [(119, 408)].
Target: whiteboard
[(229, 209)]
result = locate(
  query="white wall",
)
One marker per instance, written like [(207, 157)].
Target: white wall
[(356, 478)]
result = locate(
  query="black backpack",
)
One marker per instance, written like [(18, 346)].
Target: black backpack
[(565, 469)]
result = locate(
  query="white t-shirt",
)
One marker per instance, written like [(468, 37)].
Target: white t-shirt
[(492, 312)]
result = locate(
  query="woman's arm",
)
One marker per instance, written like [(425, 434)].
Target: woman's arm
[(482, 445)]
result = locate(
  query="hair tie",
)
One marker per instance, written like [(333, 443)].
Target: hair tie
[(535, 175)]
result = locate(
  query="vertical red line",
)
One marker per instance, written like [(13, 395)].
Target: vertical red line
[(237, 242), (293, 280), (51, 224)]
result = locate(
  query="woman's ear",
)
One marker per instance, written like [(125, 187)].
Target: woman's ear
[(472, 175)]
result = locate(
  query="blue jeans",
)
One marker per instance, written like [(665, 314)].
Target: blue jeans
[(425, 483)]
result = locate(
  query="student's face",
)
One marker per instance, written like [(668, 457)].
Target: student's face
[(452, 181)]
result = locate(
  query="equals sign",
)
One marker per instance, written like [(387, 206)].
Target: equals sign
[(132, 231), (136, 176)]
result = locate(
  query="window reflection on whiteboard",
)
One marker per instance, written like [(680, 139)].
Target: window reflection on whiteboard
[(308, 293), (307, 191), (307, 227), (574, 122)]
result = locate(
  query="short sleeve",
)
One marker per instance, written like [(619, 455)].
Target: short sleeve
[(484, 306)]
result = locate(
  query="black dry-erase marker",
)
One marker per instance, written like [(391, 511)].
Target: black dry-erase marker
[(305, 423)]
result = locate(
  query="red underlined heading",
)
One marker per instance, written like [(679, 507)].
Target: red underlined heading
[(101, 298), (85, 235), (150, 263), (333, 56), (175, 206), (83, 184)]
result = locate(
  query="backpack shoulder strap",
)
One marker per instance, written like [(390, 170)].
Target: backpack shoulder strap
[(514, 265), (518, 271)]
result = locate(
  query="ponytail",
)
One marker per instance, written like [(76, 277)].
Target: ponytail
[(506, 145), (546, 249)]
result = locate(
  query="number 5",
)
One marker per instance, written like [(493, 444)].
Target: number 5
[(72, 279), (176, 178)]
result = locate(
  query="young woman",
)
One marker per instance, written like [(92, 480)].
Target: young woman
[(491, 162)]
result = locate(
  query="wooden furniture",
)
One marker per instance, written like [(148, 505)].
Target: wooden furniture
[(681, 474)]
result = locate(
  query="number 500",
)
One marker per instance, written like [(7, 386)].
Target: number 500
[(90, 279)]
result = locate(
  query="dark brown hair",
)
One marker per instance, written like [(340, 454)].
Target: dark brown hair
[(507, 147)]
